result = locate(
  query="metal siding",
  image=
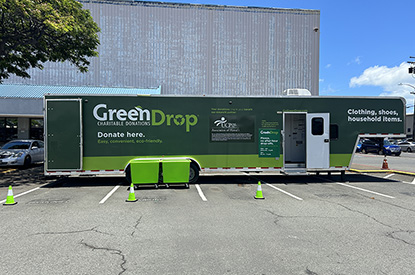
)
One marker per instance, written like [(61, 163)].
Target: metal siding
[(31, 91), (197, 49)]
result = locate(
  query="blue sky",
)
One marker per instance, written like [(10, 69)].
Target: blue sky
[(364, 45)]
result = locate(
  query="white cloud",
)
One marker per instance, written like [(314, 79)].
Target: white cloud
[(328, 66), (328, 90), (388, 79), (355, 61), (382, 76)]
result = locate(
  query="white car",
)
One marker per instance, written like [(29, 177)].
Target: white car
[(407, 146), (21, 152)]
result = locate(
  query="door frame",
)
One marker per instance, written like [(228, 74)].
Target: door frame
[(284, 134), (325, 138)]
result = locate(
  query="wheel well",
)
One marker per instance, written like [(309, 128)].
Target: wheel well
[(193, 161)]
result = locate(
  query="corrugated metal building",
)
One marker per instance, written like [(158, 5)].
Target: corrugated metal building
[(196, 49), (21, 106)]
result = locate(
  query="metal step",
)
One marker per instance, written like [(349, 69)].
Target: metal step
[(295, 172), (293, 165)]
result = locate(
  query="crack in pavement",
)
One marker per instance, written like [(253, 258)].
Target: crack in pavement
[(363, 213), (392, 236), (112, 251), (93, 229), (136, 225), (276, 216), (309, 272)]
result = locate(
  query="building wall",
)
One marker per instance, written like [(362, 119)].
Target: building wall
[(409, 125), (16, 115), (197, 49), (21, 107)]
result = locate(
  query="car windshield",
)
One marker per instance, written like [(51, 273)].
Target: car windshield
[(386, 142), (16, 145)]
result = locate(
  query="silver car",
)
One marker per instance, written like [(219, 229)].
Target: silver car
[(21, 152), (407, 146)]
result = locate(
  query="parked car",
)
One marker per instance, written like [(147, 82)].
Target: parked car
[(380, 146), (359, 146), (407, 146), (21, 153)]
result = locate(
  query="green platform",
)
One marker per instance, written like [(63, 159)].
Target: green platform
[(176, 170), (145, 171)]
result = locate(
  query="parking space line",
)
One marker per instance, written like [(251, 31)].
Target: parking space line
[(365, 190), (21, 194), (109, 194), (285, 192), (388, 176), (199, 190), (7, 171)]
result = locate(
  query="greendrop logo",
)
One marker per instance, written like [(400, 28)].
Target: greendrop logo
[(138, 116)]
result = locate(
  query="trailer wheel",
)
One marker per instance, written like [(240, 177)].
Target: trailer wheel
[(193, 173), (128, 174)]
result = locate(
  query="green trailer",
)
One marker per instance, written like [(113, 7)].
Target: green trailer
[(127, 135)]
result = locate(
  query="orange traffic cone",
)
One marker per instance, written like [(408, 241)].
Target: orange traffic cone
[(385, 164)]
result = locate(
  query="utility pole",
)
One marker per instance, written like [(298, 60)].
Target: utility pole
[(411, 70), (413, 115)]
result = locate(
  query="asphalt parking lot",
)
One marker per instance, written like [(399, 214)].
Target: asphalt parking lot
[(305, 225)]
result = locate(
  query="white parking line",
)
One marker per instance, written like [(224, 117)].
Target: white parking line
[(199, 190), (365, 190), (388, 176), (109, 194), (21, 194), (285, 192)]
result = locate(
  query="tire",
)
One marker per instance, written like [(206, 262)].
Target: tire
[(397, 154), (193, 173), (409, 150), (128, 174), (364, 151), (27, 161), (380, 152)]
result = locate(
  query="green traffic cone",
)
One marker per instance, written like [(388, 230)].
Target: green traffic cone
[(10, 199), (131, 196), (259, 192)]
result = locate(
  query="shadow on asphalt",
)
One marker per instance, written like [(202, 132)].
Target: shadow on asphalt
[(33, 176), (283, 179), (16, 176)]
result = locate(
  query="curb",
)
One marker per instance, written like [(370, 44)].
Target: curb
[(383, 171)]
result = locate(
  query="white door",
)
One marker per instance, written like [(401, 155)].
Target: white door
[(318, 140)]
